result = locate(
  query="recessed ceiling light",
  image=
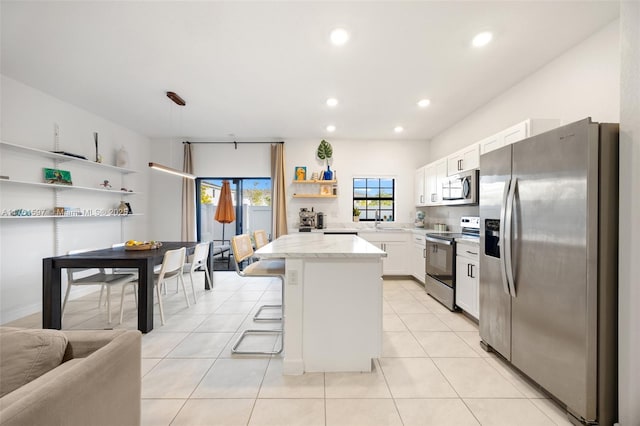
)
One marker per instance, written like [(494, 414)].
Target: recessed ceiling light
[(423, 103), (332, 102), (331, 128), (339, 36), (482, 39), (398, 129)]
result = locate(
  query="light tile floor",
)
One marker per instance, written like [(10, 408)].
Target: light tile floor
[(432, 372)]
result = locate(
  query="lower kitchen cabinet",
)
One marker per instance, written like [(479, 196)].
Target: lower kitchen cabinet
[(395, 245), (418, 248), (467, 272)]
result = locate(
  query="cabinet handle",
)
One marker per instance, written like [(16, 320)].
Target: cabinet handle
[(424, 253), (470, 252), (471, 271), (459, 165), (468, 270), (421, 199)]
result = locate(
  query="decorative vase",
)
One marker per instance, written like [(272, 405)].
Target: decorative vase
[(123, 208), (328, 175), (122, 157), (356, 218)]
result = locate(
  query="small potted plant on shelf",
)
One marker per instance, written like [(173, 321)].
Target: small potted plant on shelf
[(356, 214)]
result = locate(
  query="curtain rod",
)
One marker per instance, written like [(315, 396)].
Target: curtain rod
[(233, 142)]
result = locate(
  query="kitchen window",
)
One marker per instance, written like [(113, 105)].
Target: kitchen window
[(374, 196)]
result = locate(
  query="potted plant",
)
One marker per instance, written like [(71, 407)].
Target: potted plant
[(356, 214), (325, 152)]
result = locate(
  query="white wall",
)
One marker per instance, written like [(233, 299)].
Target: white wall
[(209, 160), (27, 118), (585, 81), (165, 193), (629, 249), (397, 159), (354, 158)]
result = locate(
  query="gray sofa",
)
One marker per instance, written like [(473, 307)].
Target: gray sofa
[(70, 378)]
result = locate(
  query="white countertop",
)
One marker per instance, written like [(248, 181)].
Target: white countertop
[(303, 245)]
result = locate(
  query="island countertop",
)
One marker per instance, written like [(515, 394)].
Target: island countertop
[(319, 246)]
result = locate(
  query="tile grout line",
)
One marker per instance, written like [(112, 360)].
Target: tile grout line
[(395, 404)]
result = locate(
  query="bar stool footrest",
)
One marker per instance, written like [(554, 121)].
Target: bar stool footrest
[(245, 333), (257, 316)]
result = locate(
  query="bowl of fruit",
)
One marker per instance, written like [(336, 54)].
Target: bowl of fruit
[(141, 245)]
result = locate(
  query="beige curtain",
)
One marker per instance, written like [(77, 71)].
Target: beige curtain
[(278, 196), (188, 232)]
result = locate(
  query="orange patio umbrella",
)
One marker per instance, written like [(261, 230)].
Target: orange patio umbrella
[(225, 212)]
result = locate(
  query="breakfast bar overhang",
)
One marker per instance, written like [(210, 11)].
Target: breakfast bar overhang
[(332, 302)]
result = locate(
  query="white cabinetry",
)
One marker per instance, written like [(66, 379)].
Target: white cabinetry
[(516, 133), (419, 187), (395, 244), (435, 173), (464, 160), (418, 254), (467, 272)]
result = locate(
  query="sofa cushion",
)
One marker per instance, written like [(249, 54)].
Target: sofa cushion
[(27, 354)]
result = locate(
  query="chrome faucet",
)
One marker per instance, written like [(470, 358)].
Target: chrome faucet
[(377, 224)]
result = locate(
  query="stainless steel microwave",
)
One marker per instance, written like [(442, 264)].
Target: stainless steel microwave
[(461, 188)]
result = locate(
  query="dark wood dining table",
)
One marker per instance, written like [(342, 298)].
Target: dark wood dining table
[(118, 257)]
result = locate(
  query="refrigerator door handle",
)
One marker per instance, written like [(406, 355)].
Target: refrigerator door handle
[(502, 237), (509, 238)]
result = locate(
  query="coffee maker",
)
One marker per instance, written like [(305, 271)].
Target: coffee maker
[(307, 220), (320, 220)]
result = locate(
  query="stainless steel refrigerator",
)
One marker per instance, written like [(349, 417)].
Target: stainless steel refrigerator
[(548, 263)]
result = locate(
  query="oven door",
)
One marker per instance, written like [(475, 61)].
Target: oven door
[(440, 260)]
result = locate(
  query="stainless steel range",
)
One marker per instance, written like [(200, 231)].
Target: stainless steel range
[(440, 264)]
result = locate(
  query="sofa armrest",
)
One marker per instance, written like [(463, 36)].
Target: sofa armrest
[(102, 389), (83, 343)]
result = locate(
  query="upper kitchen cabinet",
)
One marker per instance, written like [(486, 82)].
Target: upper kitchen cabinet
[(464, 160), (419, 187), (434, 175), (516, 133)]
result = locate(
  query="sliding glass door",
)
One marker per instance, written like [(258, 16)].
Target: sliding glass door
[(252, 203)]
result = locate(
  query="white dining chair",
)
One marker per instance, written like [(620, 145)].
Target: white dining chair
[(198, 260), (172, 265), (123, 270), (78, 277), (242, 250)]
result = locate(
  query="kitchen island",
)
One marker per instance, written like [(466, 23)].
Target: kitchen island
[(332, 302)]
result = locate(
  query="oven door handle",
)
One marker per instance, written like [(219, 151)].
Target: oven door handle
[(439, 241)]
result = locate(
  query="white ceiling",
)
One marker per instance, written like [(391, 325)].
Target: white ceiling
[(262, 70)]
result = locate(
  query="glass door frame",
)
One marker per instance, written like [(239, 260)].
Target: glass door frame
[(238, 182)]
